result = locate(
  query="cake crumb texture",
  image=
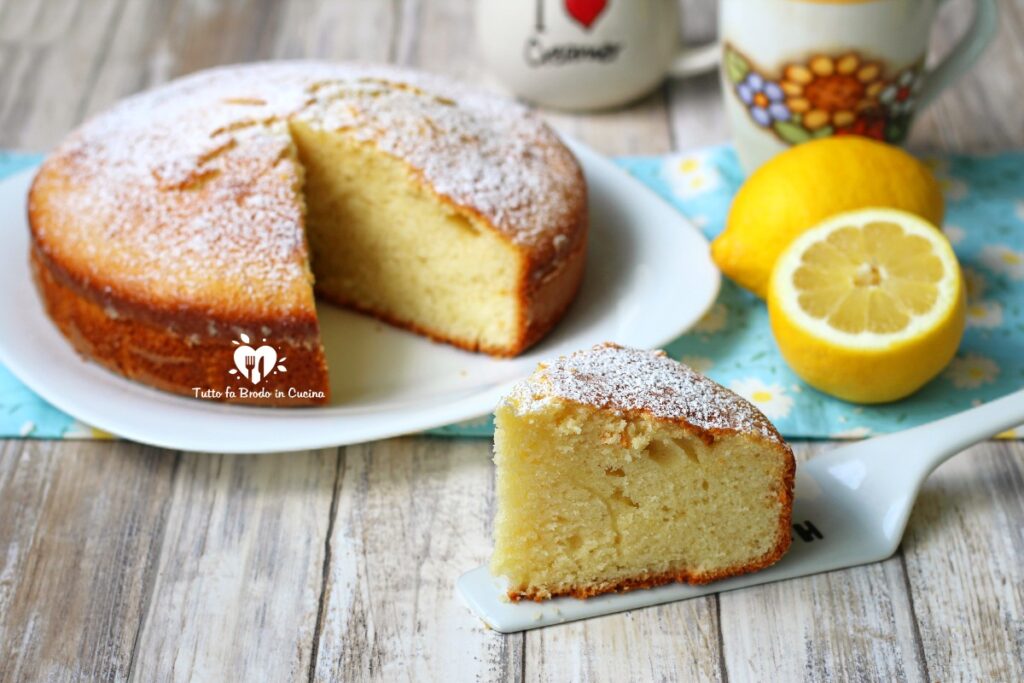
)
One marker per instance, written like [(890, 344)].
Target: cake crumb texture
[(620, 469)]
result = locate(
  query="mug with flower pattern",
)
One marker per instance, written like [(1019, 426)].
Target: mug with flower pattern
[(828, 95), (797, 70)]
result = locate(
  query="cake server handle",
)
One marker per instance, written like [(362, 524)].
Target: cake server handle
[(885, 473), (927, 446)]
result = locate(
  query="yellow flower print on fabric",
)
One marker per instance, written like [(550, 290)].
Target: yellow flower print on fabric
[(971, 371), (771, 399)]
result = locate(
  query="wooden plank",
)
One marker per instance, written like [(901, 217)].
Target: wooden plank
[(695, 104), (153, 42), (139, 56), (328, 29), (47, 71), (854, 624), (438, 36), (80, 529), (237, 588), (18, 18), (157, 41), (412, 514), (697, 116), (675, 642), (977, 113), (964, 551), (205, 33), (842, 625)]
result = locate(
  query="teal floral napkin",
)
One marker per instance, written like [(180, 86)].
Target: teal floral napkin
[(733, 343)]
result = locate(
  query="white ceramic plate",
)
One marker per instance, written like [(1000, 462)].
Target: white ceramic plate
[(649, 278)]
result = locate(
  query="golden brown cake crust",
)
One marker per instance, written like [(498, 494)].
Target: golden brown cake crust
[(638, 382), (584, 592), (180, 208), (155, 355)]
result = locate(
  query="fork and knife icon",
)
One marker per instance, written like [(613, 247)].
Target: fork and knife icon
[(255, 364), (251, 371)]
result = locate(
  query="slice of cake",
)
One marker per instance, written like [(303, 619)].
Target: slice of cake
[(619, 469)]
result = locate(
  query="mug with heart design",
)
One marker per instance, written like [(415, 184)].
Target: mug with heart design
[(585, 54), (797, 70)]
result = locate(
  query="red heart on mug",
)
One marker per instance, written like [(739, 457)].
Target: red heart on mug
[(585, 12)]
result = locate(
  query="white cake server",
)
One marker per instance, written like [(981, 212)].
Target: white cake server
[(850, 507)]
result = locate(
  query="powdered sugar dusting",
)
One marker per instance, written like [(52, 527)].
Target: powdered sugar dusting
[(481, 151), (613, 377), (202, 172)]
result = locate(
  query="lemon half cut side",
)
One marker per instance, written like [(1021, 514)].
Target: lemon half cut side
[(868, 305)]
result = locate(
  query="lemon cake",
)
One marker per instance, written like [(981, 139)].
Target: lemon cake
[(188, 219), (620, 469)]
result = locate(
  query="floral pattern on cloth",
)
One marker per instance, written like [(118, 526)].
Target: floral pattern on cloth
[(733, 344), (827, 95)]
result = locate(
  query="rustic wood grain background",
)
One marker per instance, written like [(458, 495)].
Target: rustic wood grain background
[(119, 561)]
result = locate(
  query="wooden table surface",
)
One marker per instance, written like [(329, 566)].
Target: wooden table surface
[(122, 561)]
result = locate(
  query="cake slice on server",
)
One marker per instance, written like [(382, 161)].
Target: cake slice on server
[(619, 469)]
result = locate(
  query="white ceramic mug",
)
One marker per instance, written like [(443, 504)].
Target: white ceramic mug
[(796, 70), (585, 54)]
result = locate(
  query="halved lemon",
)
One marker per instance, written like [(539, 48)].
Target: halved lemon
[(869, 305)]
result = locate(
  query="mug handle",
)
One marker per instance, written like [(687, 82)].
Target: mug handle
[(696, 60), (964, 54)]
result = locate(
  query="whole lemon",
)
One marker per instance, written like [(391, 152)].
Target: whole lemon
[(807, 183)]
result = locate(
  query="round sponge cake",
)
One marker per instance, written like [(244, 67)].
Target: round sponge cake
[(192, 220)]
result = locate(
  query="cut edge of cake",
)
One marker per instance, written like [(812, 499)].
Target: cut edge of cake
[(536, 296)]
